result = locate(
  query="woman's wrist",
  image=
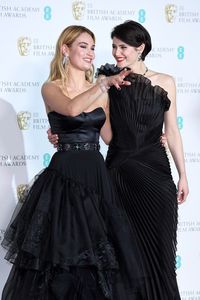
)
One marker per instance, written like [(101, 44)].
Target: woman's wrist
[(103, 84), (182, 175)]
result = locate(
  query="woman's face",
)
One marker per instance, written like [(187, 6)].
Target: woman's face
[(124, 54), (81, 52)]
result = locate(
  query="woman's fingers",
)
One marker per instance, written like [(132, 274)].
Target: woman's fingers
[(182, 195), (53, 138)]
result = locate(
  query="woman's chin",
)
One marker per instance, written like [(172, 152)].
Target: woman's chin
[(121, 65)]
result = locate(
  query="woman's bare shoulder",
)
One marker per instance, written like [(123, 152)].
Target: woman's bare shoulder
[(161, 79), (51, 84), (50, 87)]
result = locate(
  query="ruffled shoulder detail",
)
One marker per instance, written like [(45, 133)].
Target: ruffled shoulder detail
[(144, 84), (164, 95), (107, 70), (136, 79)]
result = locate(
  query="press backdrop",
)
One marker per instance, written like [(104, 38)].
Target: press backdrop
[(29, 30)]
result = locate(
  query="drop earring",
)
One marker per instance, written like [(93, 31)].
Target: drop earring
[(139, 56), (65, 60)]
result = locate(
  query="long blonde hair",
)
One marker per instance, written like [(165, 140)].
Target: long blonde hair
[(67, 36)]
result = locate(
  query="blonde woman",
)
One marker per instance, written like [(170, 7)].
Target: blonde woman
[(69, 240)]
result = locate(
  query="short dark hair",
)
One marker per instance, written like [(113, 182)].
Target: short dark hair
[(133, 34)]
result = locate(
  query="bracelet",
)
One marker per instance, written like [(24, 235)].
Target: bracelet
[(103, 85)]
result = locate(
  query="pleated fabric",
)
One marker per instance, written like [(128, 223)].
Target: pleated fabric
[(140, 172)]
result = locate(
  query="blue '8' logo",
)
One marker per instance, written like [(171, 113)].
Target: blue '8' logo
[(47, 13), (46, 159), (141, 16), (178, 261), (180, 122), (180, 52)]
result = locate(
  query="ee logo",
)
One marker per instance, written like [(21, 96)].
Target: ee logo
[(180, 52), (178, 261), (46, 159), (141, 16), (47, 13), (180, 122)]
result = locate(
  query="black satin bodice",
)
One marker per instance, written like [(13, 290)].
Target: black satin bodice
[(137, 113), (82, 128)]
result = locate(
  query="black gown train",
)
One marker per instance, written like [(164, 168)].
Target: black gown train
[(141, 175), (69, 241)]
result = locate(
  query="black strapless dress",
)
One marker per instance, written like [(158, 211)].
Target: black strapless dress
[(141, 175), (69, 240)]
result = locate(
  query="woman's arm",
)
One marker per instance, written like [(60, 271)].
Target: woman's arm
[(106, 131), (174, 139), (57, 101)]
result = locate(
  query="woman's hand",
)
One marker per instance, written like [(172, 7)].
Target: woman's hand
[(163, 140), (115, 80), (53, 138), (183, 190), (118, 80)]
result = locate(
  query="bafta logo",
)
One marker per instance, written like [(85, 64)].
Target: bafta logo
[(78, 9), (23, 120), (23, 44), (22, 192), (170, 12)]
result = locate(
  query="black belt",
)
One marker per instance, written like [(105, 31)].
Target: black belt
[(78, 146)]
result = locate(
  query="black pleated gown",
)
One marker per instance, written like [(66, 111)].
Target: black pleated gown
[(140, 171), (69, 241)]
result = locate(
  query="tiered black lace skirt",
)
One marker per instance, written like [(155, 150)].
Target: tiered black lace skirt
[(69, 240)]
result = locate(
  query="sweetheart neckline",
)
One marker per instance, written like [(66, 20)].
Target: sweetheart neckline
[(84, 112), (88, 112)]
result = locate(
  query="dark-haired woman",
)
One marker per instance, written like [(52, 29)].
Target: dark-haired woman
[(137, 162)]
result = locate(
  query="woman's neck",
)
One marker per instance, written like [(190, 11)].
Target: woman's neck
[(76, 79), (139, 68)]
